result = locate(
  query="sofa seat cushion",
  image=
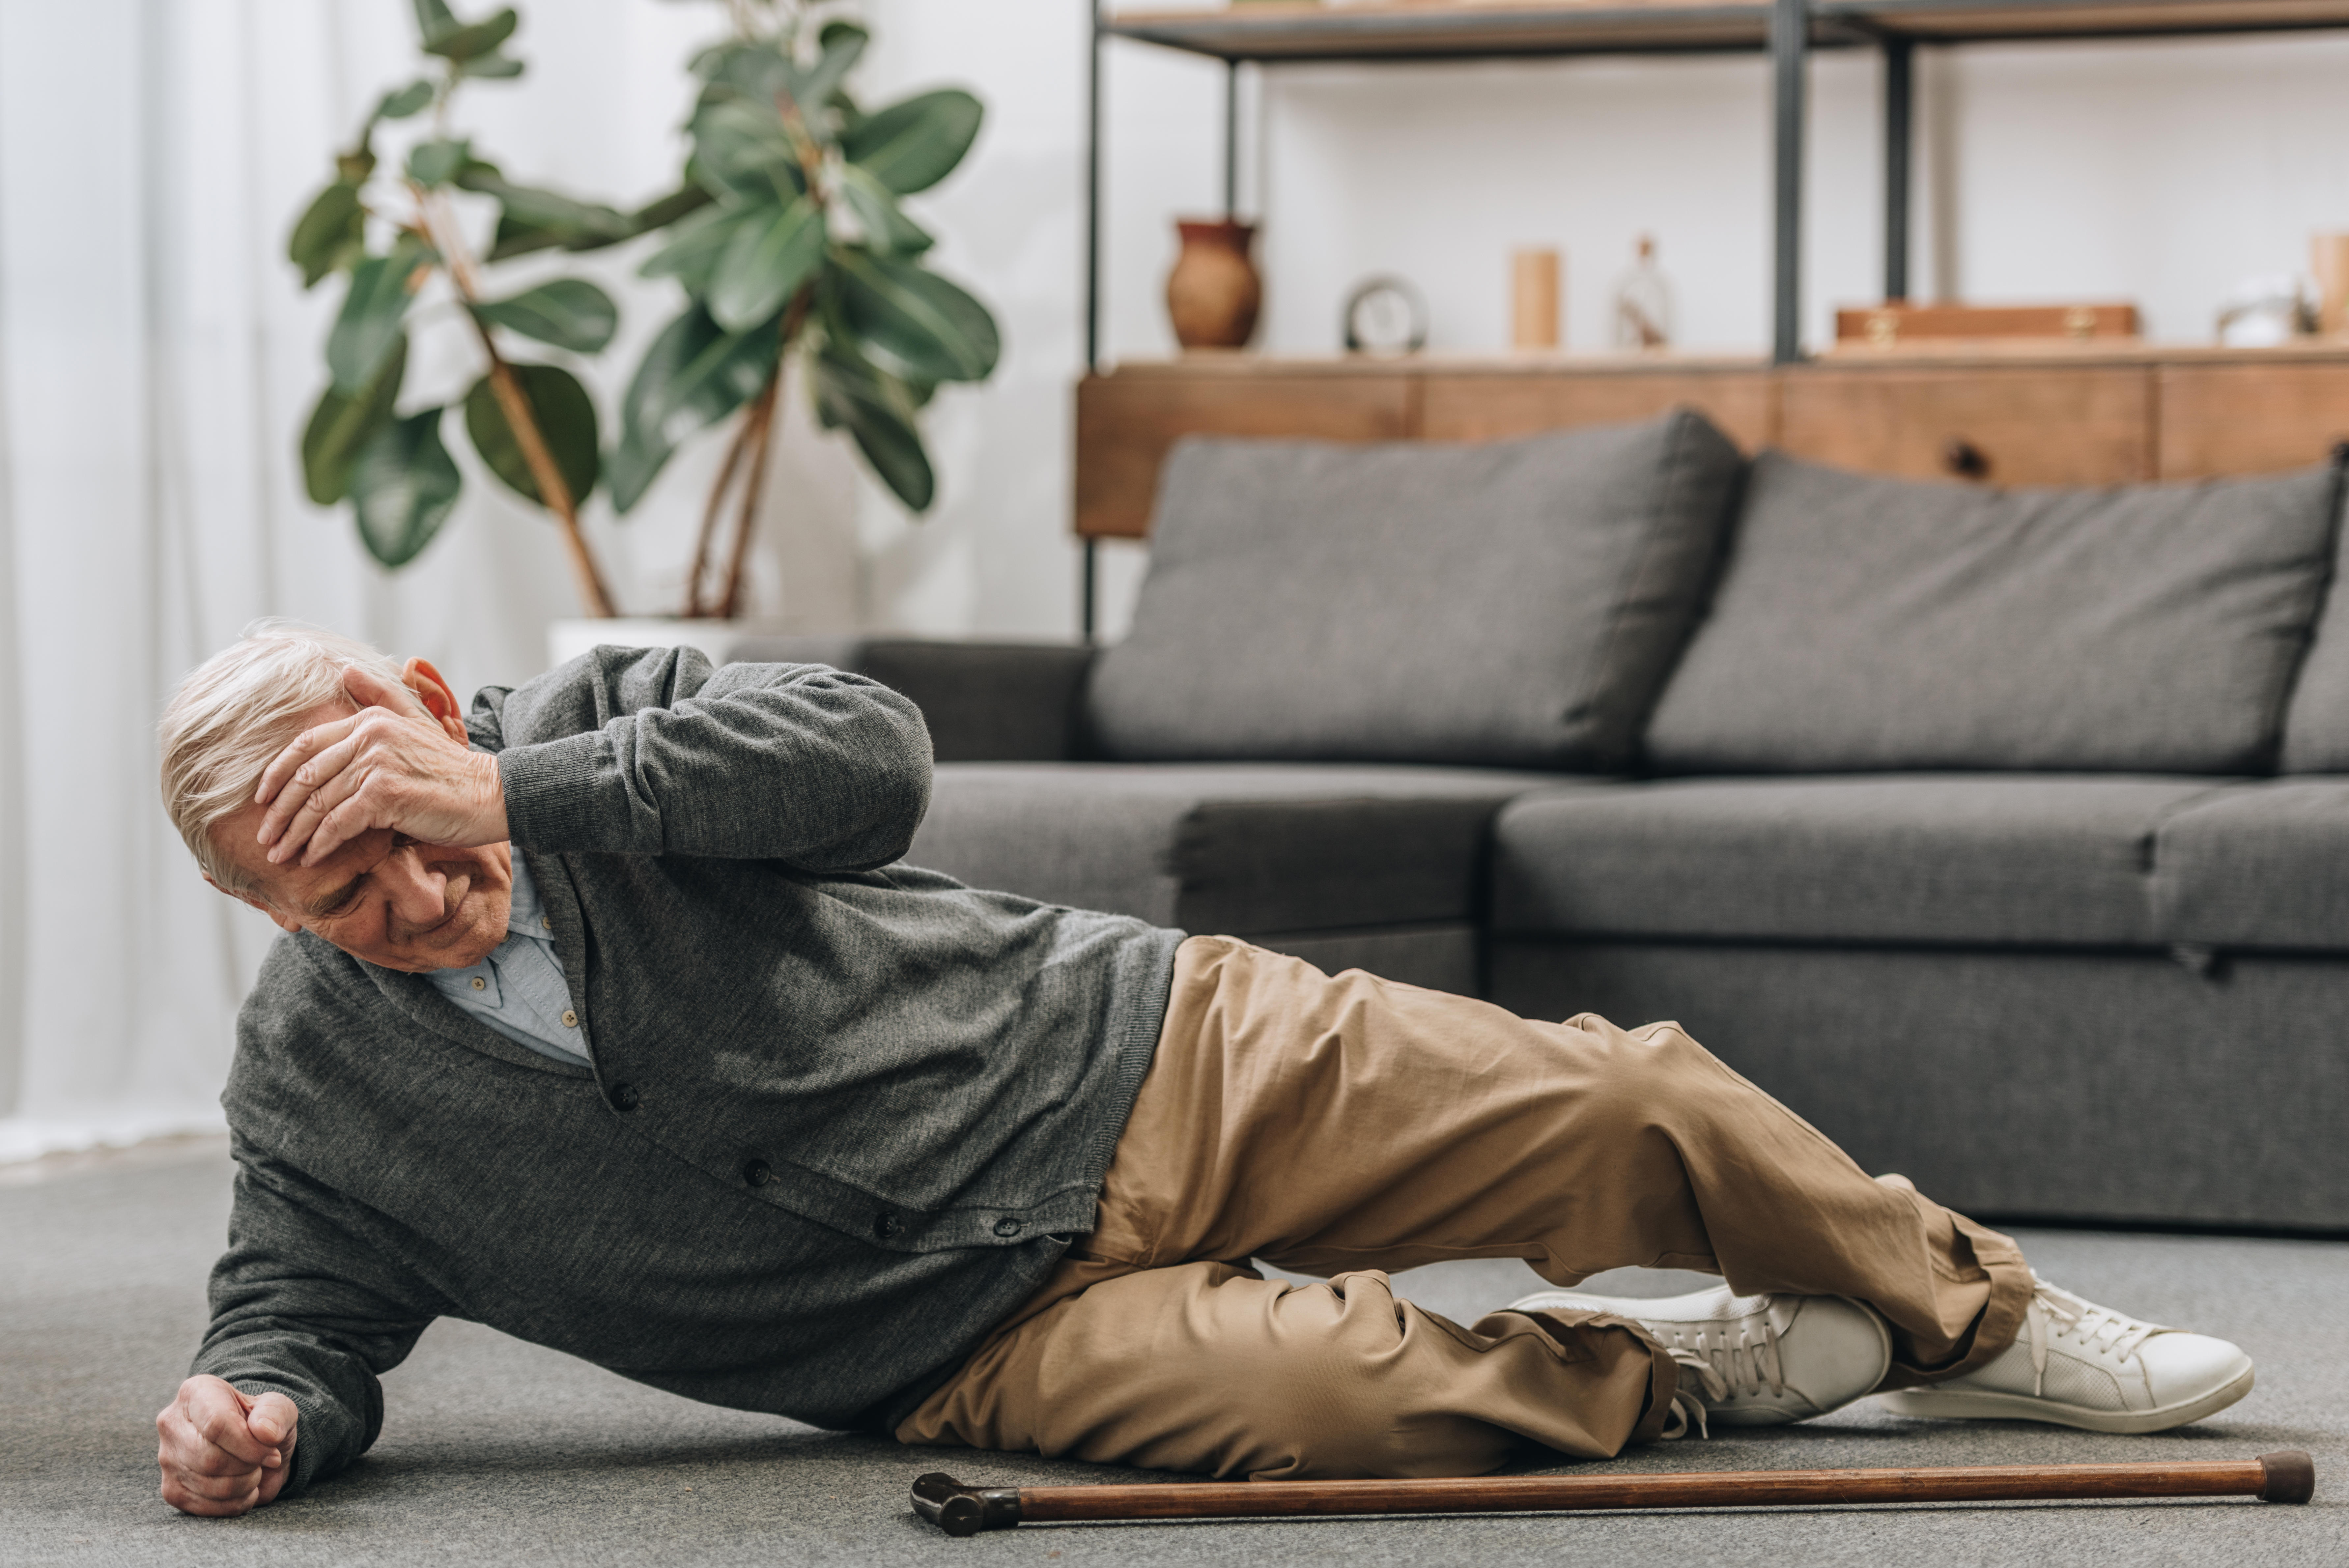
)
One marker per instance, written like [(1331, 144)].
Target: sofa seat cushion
[(1864, 622), (1232, 850), (2262, 866), (1515, 604), (1981, 859)]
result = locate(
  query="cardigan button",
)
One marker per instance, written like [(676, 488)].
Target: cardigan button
[(625, 1097), (756, 1172), (887, 1226), (1006, 1227)]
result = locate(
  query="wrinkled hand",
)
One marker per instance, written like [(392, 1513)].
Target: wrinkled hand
[(223, 1453), (391, 764)]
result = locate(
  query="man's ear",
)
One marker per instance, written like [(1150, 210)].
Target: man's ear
[(284, 922), (433, 689)]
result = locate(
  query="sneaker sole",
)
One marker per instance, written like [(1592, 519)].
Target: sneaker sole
[(1974, 1405)]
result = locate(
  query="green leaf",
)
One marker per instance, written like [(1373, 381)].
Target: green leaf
[(490, 68), (566, 420), (330, 232), (765, 263), (369, 328), (568, 312), (696, 246), (435, 162), (402, 488), (681, 202), (433, 19), (342, 424), (877, 412), (532, 219), (842, 43), (748, 68), (886, 227), (920, 323), (401, 102), (913, 145), (462, 43), (694, 374), (740, 151)]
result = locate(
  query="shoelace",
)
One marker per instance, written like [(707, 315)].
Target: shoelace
[(2100, 1328), (1688, 1411), (1725, 1364)]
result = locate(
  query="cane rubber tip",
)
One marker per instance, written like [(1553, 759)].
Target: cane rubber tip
[(2290, 1476)]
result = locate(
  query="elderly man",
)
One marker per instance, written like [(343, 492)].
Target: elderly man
[(608, 1016)]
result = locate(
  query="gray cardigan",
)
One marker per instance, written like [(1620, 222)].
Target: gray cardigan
[(844, 1118)]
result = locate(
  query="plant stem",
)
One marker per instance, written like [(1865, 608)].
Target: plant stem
[(523, 419), (709, 514), (758, 426), (762, 423)]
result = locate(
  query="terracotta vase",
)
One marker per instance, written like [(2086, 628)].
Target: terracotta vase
[(1213, 292)]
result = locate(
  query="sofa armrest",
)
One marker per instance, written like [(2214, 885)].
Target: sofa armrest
[(984, 701)]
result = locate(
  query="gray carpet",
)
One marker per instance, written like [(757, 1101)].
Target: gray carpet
[(496, 1451)]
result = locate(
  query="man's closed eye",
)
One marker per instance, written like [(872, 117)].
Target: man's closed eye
[(339, 902)]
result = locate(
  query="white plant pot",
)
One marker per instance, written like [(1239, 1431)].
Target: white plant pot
[(567, 640)]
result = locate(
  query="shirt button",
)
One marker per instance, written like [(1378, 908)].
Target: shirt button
[(545, 923), (755, 1173), (625, 1097), (479, 984), (570, 1018), (1006, 1227), (887, 1226)]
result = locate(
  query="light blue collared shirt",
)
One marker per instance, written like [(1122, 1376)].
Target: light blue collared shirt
[(518, 989)]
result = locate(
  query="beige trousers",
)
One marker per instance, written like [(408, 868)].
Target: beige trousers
[(1350, 1125)]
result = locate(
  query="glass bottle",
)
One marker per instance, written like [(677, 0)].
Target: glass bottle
[(1643, 301)]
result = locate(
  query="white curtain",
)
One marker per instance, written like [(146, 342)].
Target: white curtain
[(157, 359)]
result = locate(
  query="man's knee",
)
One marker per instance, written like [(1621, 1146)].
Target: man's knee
[(1630, 1071)]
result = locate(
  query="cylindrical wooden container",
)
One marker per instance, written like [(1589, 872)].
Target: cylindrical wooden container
[(2328, 258), (1532, 299)]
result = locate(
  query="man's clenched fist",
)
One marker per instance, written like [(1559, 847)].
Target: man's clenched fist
[(223, 1453)]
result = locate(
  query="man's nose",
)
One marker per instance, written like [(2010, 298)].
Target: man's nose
[(417, 893)]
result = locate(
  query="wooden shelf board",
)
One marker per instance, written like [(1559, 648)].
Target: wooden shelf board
[(1916, 352), (1402, 30), (1225, 363), (1491, 29), (1985, 21)]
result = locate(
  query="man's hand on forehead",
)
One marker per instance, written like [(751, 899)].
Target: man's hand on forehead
[(399, 763)]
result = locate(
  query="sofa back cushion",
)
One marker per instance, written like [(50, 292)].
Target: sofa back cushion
[(2316, 724), (1516, 604), (1870, 623)]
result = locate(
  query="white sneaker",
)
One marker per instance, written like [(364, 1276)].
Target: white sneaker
[(2076, 1363), (1755, 1361)]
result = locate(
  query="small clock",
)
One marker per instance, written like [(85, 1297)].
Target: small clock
[(1385, 315)]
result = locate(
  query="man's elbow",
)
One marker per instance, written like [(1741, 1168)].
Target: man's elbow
[(897, 784)]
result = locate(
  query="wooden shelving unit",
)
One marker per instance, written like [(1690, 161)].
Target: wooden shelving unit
[(1401, 32)]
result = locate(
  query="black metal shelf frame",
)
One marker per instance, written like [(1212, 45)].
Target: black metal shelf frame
[(1794, 28)]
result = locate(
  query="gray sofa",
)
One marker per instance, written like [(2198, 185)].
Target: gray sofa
[(2004, 835)]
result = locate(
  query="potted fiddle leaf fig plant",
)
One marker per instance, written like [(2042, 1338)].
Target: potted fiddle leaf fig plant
[(804, 253), (393, 237)]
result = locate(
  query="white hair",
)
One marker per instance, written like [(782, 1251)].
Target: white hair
[(229, 720)]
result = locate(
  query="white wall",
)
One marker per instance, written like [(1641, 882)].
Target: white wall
[(2159, 172), (157, 359)]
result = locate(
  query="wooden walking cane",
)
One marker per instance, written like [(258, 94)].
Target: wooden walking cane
[(958, 1509)]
